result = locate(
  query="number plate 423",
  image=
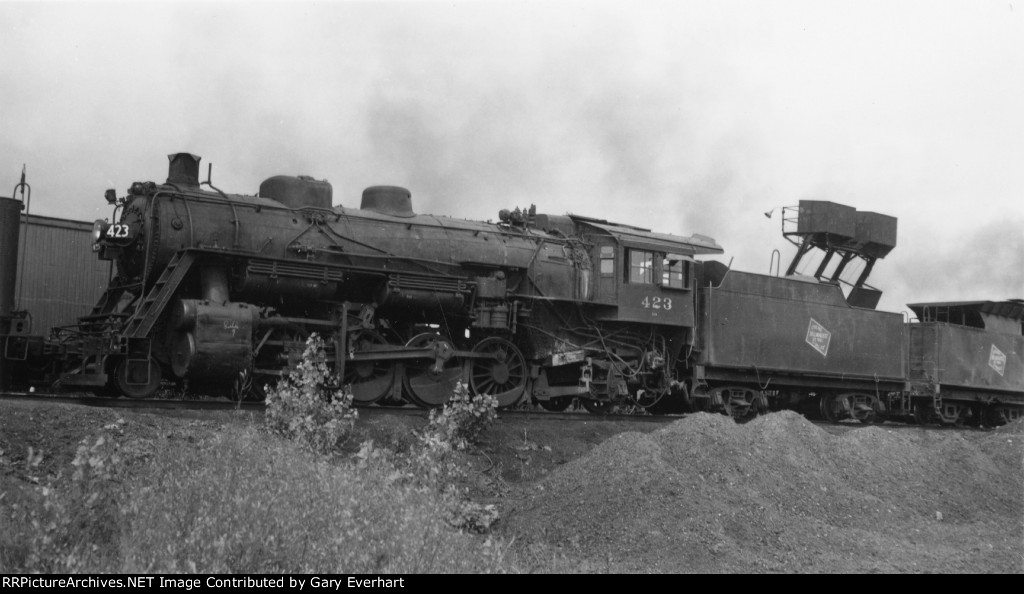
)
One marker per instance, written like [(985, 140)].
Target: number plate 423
[(118, 231), (650, 302)]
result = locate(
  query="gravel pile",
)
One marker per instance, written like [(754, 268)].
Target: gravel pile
[(780, 494)]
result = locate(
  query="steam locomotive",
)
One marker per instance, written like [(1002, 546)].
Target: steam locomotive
[(220, 292)]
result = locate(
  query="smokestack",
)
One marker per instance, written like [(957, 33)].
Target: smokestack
[(183, 170)]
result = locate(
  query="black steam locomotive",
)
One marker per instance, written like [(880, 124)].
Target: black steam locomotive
[(221, 291)]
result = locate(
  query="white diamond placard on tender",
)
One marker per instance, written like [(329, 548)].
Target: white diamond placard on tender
[(997, 360), (818, 337)]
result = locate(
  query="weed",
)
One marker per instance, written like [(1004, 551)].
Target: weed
[(305, 406), (78, 528), (464, 418), (253, 503)]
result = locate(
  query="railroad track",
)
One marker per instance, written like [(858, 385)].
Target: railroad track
[(410, 410), (224, 404), (140, 403)]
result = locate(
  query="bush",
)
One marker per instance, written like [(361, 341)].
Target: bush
[(463, 419), (432, 468), (305, 406), (431, 471)]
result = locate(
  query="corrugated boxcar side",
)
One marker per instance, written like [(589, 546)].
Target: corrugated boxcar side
[(964, 357), (62, 277), (791, 326)]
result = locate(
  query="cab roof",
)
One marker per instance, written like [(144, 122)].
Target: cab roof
[(645, 238)]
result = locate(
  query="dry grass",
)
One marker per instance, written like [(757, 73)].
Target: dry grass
[(240, 501)]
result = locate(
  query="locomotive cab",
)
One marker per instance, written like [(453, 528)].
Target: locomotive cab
[(647, 277)]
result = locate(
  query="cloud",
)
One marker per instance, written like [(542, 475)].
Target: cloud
[(683, 117), (979, 264)]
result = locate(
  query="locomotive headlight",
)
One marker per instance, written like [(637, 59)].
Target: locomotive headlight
[(99, 229)]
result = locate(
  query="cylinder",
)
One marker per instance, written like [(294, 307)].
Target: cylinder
[(211, 342), (184, 314)]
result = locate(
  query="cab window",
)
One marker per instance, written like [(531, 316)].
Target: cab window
[(641, 267), (607, 260), (674, 272)]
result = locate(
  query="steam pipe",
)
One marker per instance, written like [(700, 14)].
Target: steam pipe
[(27, 203)]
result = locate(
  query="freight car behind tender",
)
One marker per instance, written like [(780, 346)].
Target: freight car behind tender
[(967, 362)]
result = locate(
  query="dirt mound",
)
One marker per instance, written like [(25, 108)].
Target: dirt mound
[(779, 494), (700, 495)]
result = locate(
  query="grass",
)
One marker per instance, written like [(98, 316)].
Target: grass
[(270, 499), (241, 501)]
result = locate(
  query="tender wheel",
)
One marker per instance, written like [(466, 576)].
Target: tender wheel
[(953, 415), (369, 381), (424, 385), (741, 404), (136, 379), (831, 408), (994, 416), (556, 404), (503, 377), (864, 408)]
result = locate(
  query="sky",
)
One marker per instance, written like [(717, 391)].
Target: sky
[(680, 116)]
